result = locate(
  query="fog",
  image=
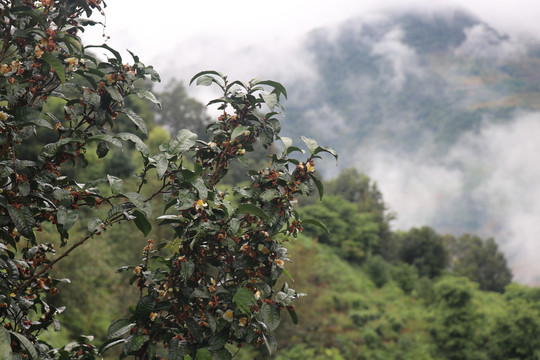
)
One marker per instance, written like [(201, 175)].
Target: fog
[(496, 170)]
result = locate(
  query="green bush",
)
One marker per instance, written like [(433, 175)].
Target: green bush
[(377, 270), (405, 276)]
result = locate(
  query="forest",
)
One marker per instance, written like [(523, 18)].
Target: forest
[(89, 147)]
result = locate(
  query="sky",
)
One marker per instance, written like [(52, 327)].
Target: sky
[(148, 29)]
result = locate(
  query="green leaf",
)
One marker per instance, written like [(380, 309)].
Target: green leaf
[(162, 164), (205, 80), (270, 316), (23, 219), (74, 41), (26, 345), (144, 308), (286, 141), (95, 225), (327, 150), (239, 130), (142, 222), (34, 14), (177, 349), (187, 270), (115, 183), (203, 354), (67, 217), (311, 144), (115, 94), (29, 116), (136, 119), (119, 327), (319, 185), (222, 354), (293, 315), (139, 144), (198, 183), (253, 210), (200, 293), (105, 46), (135, 342), (278, 88), (270, 99), (109, 344), (243, 298), (194, 329), (107, 138), (149, 70), (147, 94), (207, 72), (269, 195), (287, 273), (57, 65), (5, 344), (87, 9), (316, 223), (138, 200), (183, 141), (102, 149), (292, 149), (270, 342), (50, 150), (170, 219)]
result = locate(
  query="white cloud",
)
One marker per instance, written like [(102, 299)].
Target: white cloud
[(504, 158), (485, 43), (401, 58), (496, 169), (418, 192)]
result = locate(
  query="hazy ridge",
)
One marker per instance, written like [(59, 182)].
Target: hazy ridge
[(438, 107)]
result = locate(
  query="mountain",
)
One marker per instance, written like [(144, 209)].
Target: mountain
[(412, 82), (441, 110)]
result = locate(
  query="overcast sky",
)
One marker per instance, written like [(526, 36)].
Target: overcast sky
[(146, 28)]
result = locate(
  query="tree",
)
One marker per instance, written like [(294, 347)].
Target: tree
[(354, 234), (516, 332), (360, 190), (179, 111), (425, 249), (213, 283), (481, 261), (456, 319)]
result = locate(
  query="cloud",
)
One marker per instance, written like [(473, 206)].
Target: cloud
[(400, 59), (487, 184), (484, 43), (418, 192), (504, 158)]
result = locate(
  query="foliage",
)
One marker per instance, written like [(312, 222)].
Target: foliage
[(405, 276), (213, 282), (361, 190), (377, 270), (456, 319), (480, 261), (217, 284), (42, 58), (424, 249), (516, 332), (354, 234)]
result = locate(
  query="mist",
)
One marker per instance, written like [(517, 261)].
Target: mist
[(493, 174)]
